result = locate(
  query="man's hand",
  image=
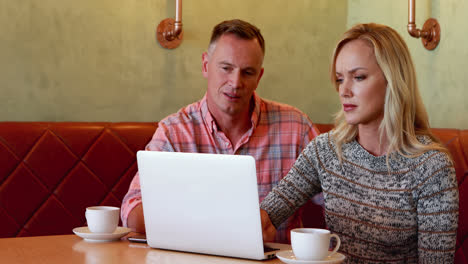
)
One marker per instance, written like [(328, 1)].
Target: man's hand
[(135, 220), (269, 230)]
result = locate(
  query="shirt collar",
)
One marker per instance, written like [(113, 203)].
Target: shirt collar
[(210, 122), (206, 115), (256, 112)]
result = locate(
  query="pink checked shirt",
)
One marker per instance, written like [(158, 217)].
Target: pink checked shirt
[(278, 134)]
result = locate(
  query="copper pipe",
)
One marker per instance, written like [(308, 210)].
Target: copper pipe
[(430, 33), (172, 34), (412, 29), (178, 20), (169, 31)]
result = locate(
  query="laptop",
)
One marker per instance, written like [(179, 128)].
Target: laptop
[(203, 203)]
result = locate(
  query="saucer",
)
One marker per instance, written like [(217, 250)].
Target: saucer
[(101, 237), (287, 256)]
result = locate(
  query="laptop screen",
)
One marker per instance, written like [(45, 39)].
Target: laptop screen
[(204, 203)]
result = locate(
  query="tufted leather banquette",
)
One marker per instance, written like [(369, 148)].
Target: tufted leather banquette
[(51, 171)]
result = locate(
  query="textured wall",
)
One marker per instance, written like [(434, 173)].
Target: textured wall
[(99, 60), (442, 73)]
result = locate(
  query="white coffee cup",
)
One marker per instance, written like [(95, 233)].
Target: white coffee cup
[(102, 219), (312, 243)]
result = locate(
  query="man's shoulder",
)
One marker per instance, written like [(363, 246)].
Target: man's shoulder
[(187, 114), (284, 110)]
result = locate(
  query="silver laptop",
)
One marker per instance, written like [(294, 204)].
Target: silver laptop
[(202, 203)]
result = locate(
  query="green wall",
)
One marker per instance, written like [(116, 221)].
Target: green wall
[(99, 61), (442, 73)]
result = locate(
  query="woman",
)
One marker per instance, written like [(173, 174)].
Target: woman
[(389, 186)]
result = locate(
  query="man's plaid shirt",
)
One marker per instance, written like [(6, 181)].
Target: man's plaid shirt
[(278, 134)]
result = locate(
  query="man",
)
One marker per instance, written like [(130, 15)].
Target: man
[(232, 119)]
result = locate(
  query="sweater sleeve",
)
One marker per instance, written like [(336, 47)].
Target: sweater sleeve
[(437, 208), (299, 185)]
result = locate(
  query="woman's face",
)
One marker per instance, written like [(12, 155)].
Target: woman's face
[(361, 84)]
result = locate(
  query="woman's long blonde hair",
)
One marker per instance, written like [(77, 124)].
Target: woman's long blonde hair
[(405, 116)]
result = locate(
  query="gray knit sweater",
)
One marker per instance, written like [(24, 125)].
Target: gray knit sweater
[(408, 214)]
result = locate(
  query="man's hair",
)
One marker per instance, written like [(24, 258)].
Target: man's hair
[(239, 28), (405, 116)]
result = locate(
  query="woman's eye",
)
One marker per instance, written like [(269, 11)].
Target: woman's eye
[(339, 80), (360, 77)]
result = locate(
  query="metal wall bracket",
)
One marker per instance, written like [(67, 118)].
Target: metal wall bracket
[(169, 31), (430, 33)]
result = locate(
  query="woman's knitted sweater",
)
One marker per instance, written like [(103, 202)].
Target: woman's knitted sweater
[(405, 214)]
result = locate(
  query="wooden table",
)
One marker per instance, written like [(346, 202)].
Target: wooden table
[(73, 249)]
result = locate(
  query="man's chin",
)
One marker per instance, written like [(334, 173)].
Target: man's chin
[(231, 112)]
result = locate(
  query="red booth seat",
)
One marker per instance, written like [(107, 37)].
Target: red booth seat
[(51, 171)]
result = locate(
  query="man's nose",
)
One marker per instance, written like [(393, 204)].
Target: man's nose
[(236, 79)]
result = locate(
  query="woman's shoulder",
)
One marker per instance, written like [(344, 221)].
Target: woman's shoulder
[(434, 168), (322, 144), (430, 161), (436, 154), (324, 139)]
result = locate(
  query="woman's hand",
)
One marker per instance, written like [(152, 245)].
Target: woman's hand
[(268, 229)]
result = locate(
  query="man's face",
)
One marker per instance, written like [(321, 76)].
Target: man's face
[(233, 68)]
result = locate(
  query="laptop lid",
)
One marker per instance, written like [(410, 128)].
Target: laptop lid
[(203, 203)]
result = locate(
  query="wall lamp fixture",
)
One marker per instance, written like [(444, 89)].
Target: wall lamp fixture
[(430, 33), (169, 32)]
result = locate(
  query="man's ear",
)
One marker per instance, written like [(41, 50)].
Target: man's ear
[(205, 59), (259, 77)]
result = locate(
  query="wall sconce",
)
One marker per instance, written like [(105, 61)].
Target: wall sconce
[(169, 32), (430, 33)]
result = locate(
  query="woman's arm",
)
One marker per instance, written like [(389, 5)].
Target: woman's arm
[(299, 185), (437, 208)]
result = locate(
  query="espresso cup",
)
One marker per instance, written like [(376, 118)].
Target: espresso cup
[(102, 219), (312, 243)]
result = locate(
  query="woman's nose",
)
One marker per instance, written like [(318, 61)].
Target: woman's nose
[(344, 89)]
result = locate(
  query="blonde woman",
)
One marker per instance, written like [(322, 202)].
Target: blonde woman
[(389, 186)]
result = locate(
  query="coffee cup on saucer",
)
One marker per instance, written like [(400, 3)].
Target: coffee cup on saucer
[(102, 219), (313, 243)]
